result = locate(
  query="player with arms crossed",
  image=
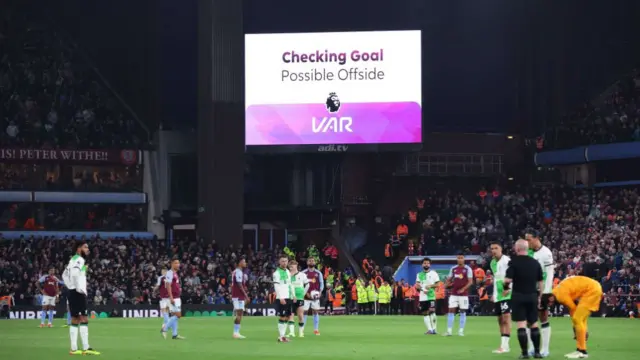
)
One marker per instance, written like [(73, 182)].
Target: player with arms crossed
[(239, 295), (284, 293), (426, 282), (75, 279), (164, 302), (460, 279), (501, 300), (48, 286), (172, 284), (300, 285), (589, 292), (312, 297), (544, 256)]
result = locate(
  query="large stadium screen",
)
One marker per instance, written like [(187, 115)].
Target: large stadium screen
[(333, 88)]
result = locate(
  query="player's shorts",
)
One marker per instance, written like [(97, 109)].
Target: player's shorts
[(77, 303), (296, 304), (283, 310), (165, 303), (457, 301), (524, 307), (48, 300), (428, 305), (590, 300), (237, 304), (544, 302), (502, 307), (176, 307), (312, 304)]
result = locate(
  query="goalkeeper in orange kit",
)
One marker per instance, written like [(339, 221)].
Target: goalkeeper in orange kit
[(582, 296)]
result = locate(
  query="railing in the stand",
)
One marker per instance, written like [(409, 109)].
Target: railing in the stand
[(444, 164)]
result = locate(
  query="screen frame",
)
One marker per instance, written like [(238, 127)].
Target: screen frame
[(337, 147)]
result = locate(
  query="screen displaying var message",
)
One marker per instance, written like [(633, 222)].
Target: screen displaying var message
[(333, 88)]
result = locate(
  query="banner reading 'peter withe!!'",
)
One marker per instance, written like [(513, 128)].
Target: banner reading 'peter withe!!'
[(333, 88)]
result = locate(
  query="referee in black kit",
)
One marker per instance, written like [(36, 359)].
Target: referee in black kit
[(525, 274)]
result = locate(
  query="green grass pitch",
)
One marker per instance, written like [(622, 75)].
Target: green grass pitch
[(343, 337)]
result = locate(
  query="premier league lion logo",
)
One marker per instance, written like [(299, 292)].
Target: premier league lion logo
[(333, 103)]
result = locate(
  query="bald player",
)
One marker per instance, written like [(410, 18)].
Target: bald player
[(524, 279)]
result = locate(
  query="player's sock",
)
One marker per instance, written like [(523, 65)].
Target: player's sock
[(236, 328), (292, 329), (433, 321), (545, 330), (523, 339), (282, 327), (50, 316), (535, 339), (43, 316), (305, 318), (529, 342), (84, 336), (427, 323), (316, 321), (450, 318), (581, 335), (68, 318), (165, 322), (504, 341), (175, 325), (73, 336), (301, 327), (169, 324), (463, 320)]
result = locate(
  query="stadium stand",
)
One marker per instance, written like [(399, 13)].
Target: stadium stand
[(612, 118), (70, 177), (50, 98), (87, 217), (590, 231), (52, 101), (206, 269), (63, 134)]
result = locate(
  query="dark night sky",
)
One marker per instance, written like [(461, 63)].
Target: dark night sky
[(492, 66)]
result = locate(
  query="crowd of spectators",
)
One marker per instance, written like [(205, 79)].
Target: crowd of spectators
[(74, 217), (70, 177), (594, 232), (126, 270), (616, 118), (50, 98)]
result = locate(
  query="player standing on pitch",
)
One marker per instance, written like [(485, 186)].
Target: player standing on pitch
[(239, 295), (164, 302), (460, 278), (500, 299), (544, 256), (172, 283), (525, 275), (312, 298), (284, 293), (426, 282), (300, 287), (48, 286), (75, 279)]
